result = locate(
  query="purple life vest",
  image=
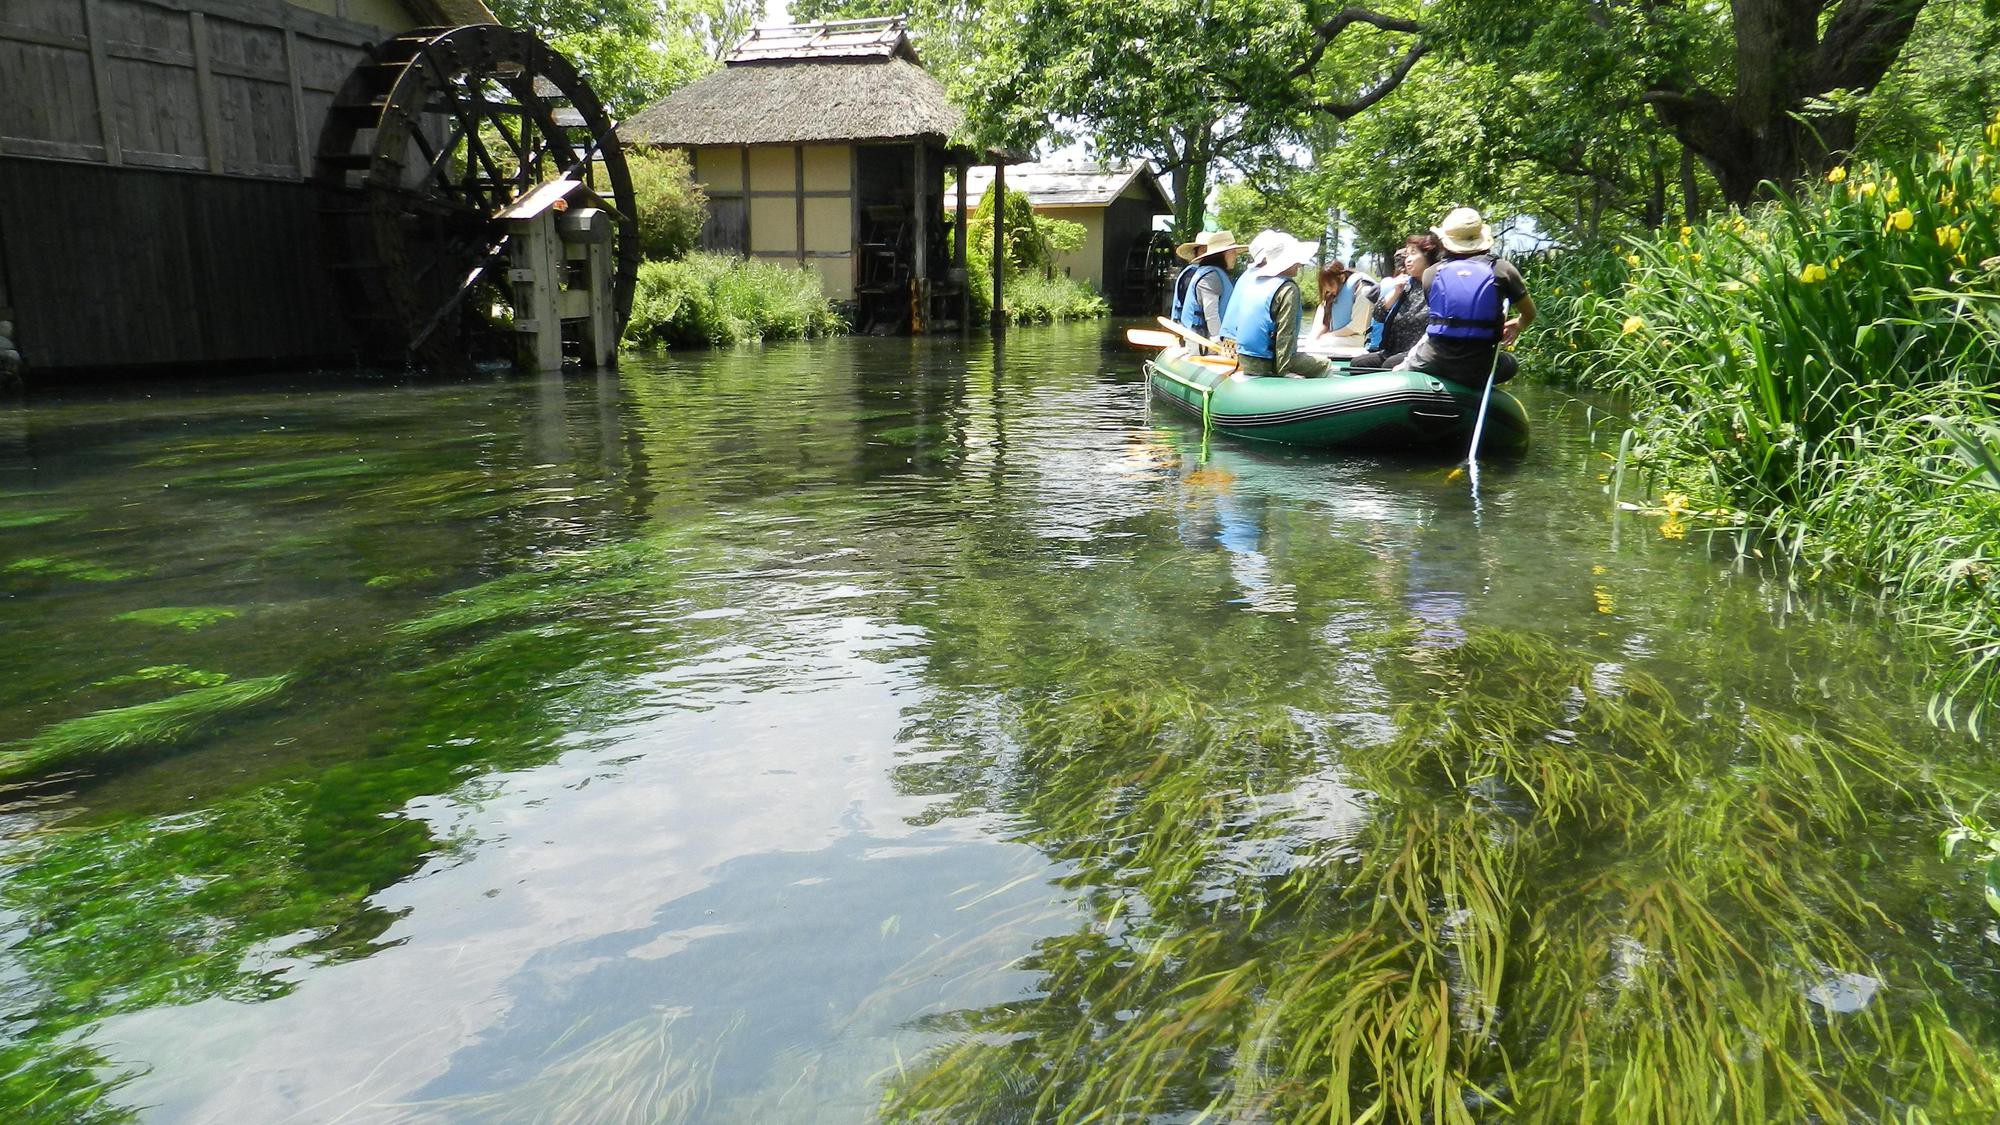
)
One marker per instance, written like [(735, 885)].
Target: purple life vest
[(1465, 300)]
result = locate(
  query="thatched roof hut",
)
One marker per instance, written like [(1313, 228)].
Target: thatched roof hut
[(826, 144), (801, 103), (848, 80)]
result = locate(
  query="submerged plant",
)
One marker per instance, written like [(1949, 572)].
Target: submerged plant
[(172, 721), (1561, 898), (187, 618)]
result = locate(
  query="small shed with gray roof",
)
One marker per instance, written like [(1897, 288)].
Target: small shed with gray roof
[(825, 145), (1117, 203)]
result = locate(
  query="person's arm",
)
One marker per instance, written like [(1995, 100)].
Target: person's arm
[(1285, 326), (1319, 327), (1515, 289), (1209, 291)]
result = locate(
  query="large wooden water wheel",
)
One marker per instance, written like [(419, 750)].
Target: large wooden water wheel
[(423, 148)]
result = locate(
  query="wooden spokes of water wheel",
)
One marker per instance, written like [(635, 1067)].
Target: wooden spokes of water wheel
[(423, 148)]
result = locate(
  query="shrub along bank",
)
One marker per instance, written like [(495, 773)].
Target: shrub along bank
[(1033, 292), (1819, 372), (718, 299)]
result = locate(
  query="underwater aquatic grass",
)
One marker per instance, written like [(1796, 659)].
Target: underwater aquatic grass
[(186, 618), (75, 569), (161, 723), (1568, 900)]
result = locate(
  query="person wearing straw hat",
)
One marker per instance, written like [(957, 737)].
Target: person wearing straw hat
[(1201, 292), (1270, 312), (1469, 294)]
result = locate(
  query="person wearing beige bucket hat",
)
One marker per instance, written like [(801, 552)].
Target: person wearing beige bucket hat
[(1201, 291), (1470, 293)]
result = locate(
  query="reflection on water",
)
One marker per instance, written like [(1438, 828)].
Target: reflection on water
[(879, 727)]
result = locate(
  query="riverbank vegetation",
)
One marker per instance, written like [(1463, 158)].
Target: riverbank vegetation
[(1033, 293), (1815, 376), (707, 299)]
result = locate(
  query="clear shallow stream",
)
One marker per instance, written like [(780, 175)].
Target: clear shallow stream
[(883, 728)]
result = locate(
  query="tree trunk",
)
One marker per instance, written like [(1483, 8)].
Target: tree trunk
[(1690, 186), (1656, 195), (1782, 60), (1191, 194)]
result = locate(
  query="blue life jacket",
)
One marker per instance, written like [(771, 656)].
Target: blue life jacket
[(1465, 300), (1342, 309), (1379, 325), (1187, 299), (1256, 328), (1232, 309)]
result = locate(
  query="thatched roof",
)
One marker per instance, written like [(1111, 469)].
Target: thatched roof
[(1075, 183), (766, 103)]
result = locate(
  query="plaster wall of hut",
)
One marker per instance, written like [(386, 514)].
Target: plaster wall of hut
[(1117, 205), (153, 158), (825, 146)]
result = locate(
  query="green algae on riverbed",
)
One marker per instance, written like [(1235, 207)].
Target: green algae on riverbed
[(711, 767)]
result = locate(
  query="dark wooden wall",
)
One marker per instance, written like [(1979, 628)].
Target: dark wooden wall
[(121, 266), (152, 159)]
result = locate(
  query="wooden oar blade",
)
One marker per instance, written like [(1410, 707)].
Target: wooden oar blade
[(1186, 333), (1146, 339)]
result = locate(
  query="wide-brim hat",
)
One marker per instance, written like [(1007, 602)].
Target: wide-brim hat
[(1287, 255), (1464, 232), (1206, 243)]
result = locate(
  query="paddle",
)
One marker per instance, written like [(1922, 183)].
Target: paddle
[(1146, 339), (1188, 334), (1479, 423)]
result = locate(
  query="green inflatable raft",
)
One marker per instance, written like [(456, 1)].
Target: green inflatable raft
[(1406, 410)]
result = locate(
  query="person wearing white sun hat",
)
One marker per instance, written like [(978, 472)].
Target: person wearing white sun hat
[(1470, 292), (1260, 249), (1270, 312)]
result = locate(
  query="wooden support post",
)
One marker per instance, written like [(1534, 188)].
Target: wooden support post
[(204, 86), (920, 259), (999, 190), (100, 80), (920, 256), (535, 259), (799, 197), (743, 155), (958, 256), (586, 237)]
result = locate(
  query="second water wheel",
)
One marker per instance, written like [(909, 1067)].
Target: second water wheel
[(423, 148)]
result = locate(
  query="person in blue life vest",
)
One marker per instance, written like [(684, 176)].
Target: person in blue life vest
[(1470, 293), (1270, 313), (1346, 304), (1232, 309), (1201, 291)]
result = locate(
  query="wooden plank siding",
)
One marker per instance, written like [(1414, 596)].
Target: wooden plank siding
[(153, 153), (122, 266), (230, 86)]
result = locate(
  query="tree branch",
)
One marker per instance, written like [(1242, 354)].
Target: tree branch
[(1341, 111), (1329, 29), (1862, 41)]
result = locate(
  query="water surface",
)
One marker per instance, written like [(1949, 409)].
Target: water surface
[(887, 727)]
